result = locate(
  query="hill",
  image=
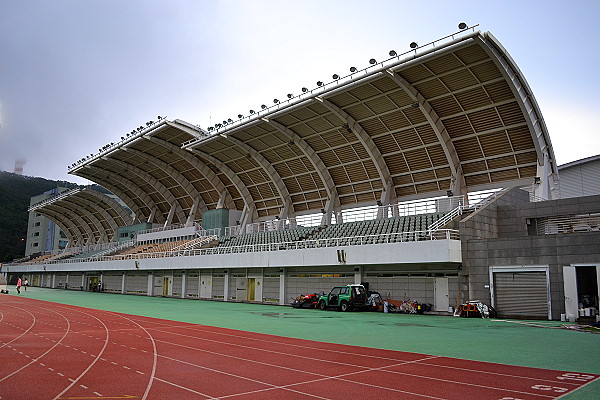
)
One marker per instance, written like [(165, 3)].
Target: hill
[(15, 194)]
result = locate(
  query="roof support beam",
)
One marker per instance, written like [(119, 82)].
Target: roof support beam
[(74, 235), (387, 196), (458, 185), (161, 189), (94, 226), (172, 172), (192, 213), (268, 168), (109, 204), (252, 214), (108, 180), (198, 165), (169, 220), (316, 161)]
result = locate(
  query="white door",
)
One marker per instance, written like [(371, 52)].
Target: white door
[(570, 282), (206, 285), (441, 294)]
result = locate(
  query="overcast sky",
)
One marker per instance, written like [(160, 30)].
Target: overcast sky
[(76, 75)]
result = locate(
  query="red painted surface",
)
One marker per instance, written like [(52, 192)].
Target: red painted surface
[(55, 351)]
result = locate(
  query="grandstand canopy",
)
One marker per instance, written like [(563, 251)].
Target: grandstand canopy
[(454, 115), (85, 215)]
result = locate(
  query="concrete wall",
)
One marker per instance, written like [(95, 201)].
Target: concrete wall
[(499, 236)]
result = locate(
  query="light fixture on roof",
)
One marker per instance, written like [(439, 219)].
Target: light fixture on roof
[(289, 95), (275, 101), (335, 76), (414, 45), (415, 104), (240, 116), (263, 106), (251, 111), (224, 122), (319, 83), (229, 120), (462, 26), (210, 128), (353, 69), (537, 180), (304, 90), (449, 193), (159, 117), (372, 61), (392, 53)]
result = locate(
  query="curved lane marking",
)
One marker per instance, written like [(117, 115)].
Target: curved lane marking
[(43, 354), (28, 329)]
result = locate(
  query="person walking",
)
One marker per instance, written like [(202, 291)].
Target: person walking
[(19, 285), (25, 284)]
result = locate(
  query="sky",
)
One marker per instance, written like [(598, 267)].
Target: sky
[(76, 75)]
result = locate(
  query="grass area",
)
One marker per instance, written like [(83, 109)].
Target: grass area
[(541, 344)]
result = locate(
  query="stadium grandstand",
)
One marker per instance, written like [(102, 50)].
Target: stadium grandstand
[(428, 176)]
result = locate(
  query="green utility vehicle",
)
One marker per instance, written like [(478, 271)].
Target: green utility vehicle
[(345, 298)]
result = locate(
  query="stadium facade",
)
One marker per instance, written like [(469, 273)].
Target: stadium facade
[(429, 175)]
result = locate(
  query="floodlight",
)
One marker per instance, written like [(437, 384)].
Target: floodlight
[(159, 117), (229, 120), (462, 26), (251, 111), (352, 69), (275, 101), (263, 106), (415, 104), (335, 76), (392, 53), (304, 90), (240, 116), (319, 83), (289, 96), (449, 193), (372, 61), (414, 45), (210, 128)]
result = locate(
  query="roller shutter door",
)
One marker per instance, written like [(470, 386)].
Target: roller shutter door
[(270, 289), (521, 294), (61, 280), (112, 283), (75, 281), (191, 285), (218, 286), (177, 285), (136, 284)]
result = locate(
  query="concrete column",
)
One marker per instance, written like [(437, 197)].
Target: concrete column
[(183, 284), (123, 283), (226, 286), (150, 284), (282, 288)]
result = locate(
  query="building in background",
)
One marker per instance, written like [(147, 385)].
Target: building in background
[(43, 234), (580, 178)]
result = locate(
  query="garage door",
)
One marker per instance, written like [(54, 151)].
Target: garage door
[(521, 294)]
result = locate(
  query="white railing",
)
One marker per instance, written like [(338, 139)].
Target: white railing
[(446, 218), (402, 209)]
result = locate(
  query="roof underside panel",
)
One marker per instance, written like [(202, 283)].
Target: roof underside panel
[(411, 128)]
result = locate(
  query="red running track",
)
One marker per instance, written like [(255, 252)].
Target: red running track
[(56, 351)]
